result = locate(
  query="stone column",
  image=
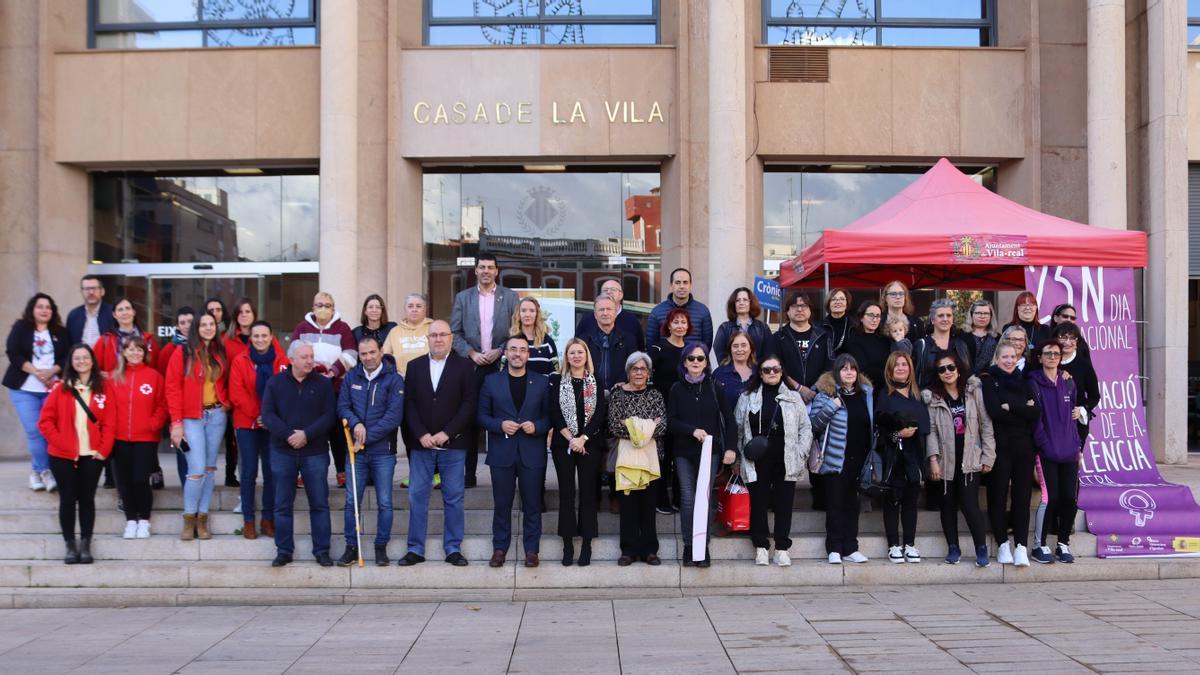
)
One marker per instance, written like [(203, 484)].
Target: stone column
[(339, 154), (1165, 213), (727, 96), (1106, 113)]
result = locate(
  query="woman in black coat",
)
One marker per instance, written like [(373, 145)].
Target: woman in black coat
[(868, 343), (1079, 365), (37, 347)]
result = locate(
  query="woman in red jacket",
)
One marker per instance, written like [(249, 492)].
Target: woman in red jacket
[(141, 403), (108, 347), (198, 401), (248, 375), (78, 422)]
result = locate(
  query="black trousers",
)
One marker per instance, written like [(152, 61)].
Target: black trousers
[(135, 462), (771, 492), (904, 510), (962, 494), (337, 447), (568, 465), (77, 483), (639, 529), (841, 511), (474, 434), (1062, 489), (231, 450), (667, 479), (1011, 474)]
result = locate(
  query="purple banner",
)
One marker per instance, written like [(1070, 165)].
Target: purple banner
[(1129, 507)]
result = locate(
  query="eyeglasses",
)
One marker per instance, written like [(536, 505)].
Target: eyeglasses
[(771, 370), (639, 369), (323, 305), (895, 294), (872, 315), (1028, 304), (91, 289), (1068, 338), (437, 336), (1052, 355), (697, 358), (948, 368), (982, 313)]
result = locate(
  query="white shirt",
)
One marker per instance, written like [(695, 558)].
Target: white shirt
[(372, 375), (91, 326), (43, 358), (435, 370)]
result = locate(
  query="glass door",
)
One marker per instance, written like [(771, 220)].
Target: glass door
[(167, 293)]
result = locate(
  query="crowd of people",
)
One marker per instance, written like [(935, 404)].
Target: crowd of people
[(867, 401)]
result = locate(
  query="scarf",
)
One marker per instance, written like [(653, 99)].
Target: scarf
[(123, 335), (178, 339), (566, 401), (693, 380), (264, 366)]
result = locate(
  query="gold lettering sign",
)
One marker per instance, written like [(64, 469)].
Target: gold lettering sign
[(620, 111)]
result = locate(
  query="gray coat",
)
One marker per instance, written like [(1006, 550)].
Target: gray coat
[(464, 319)]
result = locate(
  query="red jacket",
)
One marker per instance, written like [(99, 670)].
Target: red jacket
[(57, 422), (141, 400), (108, 351), (185, 395), (242, 390), (164, 357), (234, 346)]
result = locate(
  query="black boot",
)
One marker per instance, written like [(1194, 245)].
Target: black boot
[(85, 551), (687, 557), (72, 557), (568, 551), (349, 557), (381, 556), (585, 553)]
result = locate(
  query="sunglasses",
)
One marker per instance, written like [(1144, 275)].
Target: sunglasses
[(697, 358), (1067, 317), (771, 370), (948, 368)]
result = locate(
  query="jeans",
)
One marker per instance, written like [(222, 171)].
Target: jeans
[(77, 483), (382, 468), (315, 471), (134, 462), (688, 469), (254, 449), (422, 464), (29, 408), (204, 440)]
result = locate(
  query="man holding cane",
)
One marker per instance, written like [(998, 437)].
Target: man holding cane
[(372, 404)]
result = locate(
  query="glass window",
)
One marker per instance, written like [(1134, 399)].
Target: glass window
[(541, 22), (172, 218), (144, 24), (569, 230), (1193, 10), (931, 23)]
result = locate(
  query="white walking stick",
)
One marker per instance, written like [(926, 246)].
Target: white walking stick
[(352, 448)]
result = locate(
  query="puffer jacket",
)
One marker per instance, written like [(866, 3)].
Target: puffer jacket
[(377, 404), (979, 445), (825, 414)]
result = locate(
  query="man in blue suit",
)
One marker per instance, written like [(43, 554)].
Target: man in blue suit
[(516, 414)]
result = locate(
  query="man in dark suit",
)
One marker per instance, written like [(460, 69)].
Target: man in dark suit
[(514, 409), (87, 322), (480, 320), (439, 411)]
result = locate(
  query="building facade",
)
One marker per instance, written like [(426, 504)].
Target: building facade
[(185, 149)]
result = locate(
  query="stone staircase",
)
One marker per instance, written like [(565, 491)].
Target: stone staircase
[(229, 569)]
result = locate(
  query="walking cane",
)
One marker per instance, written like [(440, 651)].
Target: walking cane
[(354, 489)]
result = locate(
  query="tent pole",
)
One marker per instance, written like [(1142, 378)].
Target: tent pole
[(826, 280)]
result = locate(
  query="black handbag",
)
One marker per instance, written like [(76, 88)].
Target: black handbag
[(756, 448)]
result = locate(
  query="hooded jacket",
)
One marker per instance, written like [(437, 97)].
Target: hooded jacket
[(1055, 434), (406, 342), (333, 346), (825, 415), (378, 404), (979, 445), (141, 401)]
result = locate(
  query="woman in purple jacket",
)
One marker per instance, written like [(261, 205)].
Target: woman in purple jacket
[(1056, 437)]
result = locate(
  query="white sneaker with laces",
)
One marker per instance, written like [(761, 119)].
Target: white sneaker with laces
[(761, 557), (896, 554), (1004, 554), (48, 479), (35, 481), (856, 557), (911, 554), (835, 558), (782, 559), (130, 529), (143, 529), (238, 508), (1021, 557)]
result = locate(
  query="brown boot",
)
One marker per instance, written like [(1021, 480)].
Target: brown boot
[(248, 530), (202, 526), (189, 527), (267, 527)]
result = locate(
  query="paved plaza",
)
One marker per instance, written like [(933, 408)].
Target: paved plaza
[(1135, 626)]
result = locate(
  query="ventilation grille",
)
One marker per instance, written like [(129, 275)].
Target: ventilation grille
[(799, 64)]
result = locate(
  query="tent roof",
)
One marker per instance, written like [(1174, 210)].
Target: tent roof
[(948, 231)]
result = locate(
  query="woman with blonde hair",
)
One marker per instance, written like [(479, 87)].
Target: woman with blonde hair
[(897, 302), (529, 321)]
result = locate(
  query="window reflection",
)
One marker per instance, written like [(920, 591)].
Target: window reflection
[(203, 23), (936, 23), (541, 22)]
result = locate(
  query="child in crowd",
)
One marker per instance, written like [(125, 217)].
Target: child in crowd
[(897, 330)]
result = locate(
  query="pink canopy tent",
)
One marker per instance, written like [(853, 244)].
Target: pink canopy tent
[(947, 231)]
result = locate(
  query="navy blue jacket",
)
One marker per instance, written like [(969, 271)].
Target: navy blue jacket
[(289, 405), (626, 321), (78, 317), (760, 337), (378, 404), (496, 405), (702, 328), (610, 362)]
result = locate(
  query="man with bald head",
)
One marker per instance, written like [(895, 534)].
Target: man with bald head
[(439, 415)]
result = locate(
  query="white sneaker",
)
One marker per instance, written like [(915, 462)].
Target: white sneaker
[(835, 558), (856, 557), (896, 554), (35, 481), (783, 559), (761, 557), (143, 529), (130, 529), (1021, 557), (48, 479), (238, 508), (911, 554), (1004, 554)]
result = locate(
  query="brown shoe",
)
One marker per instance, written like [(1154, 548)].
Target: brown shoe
[(188, 532), (531, 560), (202, 526), (497, 559), (267, 527), (248, 530)]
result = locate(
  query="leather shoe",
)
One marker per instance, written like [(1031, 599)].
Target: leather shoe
[(281, 560), (531, 560), (625, 561), (497, 559), (410, 559), (456, 559), (324, 560), (267, 528), (248, 530), (653, 560)]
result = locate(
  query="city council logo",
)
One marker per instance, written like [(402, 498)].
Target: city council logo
[(542, 211), (965, 248)]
